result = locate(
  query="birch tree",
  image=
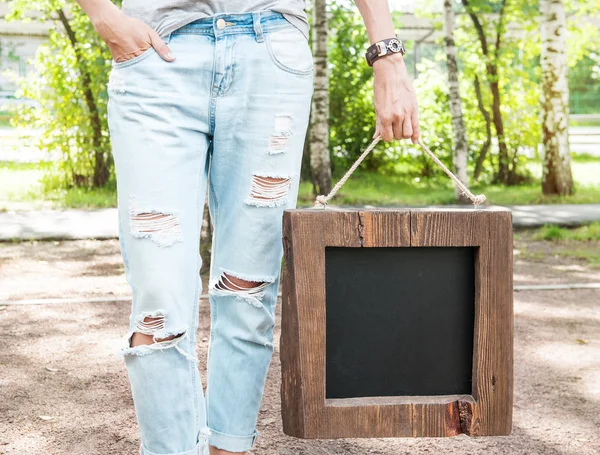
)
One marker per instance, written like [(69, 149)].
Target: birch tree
[(320, 161), (461, 151), (557, 177)]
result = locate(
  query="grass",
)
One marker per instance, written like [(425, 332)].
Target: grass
[(588, 122), (556, 233), (580, 243), (373, 189), (22, 185), (27, 186), (592, 256)]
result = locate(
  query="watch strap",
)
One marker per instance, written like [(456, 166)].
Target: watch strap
[(384, 47)]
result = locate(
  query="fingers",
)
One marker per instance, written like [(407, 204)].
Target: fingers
[(160, 46), (398, 126), (415, 125), (407, 129), (376, 130), (386, 130)]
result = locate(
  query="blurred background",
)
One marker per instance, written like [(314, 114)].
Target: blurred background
[(55, 149)]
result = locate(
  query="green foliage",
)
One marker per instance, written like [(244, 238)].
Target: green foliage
[(586, 233), (352, 117), (70, 86), (584, 85)]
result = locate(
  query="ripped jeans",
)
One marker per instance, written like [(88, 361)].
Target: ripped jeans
[(228, 116)]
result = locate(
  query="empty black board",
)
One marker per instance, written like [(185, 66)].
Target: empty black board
[(399, 321)]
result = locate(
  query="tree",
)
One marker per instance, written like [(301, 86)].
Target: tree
[(461, 149), (557, 177), (320, 161), (506, 172), (70, 86)]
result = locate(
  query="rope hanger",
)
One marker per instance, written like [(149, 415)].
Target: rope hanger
[(321, 201)]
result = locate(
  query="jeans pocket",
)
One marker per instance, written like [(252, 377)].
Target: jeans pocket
[(134, 60), (139, 58), (289, 50)]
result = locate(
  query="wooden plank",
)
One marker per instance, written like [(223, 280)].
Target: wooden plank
[(493, 359), (308, 232), (290, 343), (384, 228)]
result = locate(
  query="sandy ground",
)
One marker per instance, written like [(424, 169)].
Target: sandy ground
[(64, 389)]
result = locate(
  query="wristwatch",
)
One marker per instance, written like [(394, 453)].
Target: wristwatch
[(382, 48)]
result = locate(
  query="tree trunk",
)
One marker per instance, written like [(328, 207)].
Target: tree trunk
[(320, 161), (461, 151), (505, 174), (488, 130), (101, 171), (557, 177)]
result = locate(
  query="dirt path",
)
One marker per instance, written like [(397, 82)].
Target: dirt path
[(64, 389)]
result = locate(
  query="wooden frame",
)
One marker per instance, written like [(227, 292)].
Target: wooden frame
[(305, 410)]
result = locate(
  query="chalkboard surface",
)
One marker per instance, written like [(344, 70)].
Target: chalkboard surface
[(399, 321)]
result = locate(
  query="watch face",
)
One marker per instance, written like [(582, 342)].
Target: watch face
[(394, 45)]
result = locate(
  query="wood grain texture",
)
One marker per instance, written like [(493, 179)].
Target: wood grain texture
[(306, 412)]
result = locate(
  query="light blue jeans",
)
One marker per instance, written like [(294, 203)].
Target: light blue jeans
[(230, 113)]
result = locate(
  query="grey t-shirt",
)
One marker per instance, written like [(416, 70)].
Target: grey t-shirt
[(164, 16)]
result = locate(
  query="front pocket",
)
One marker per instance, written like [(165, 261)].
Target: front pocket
[(134, 60), (289, 50)]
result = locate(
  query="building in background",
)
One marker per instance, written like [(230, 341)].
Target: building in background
[(18, 44)]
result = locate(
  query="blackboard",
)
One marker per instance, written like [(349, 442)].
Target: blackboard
[(399, 321)]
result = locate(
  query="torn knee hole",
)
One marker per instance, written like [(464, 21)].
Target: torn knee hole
[(139, 338), (150, 325), (268, 191), (150, 328), (249, 291), (162, 228), (234, 284)]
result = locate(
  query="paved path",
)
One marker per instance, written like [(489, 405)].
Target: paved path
[(102, 223)]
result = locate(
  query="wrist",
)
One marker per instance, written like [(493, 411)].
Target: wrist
[(395, 60), (103, 14)]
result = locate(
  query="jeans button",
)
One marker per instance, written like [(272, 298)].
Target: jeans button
[(221, 24)]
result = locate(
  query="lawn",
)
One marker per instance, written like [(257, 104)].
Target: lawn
[(373, 189), (581, 243), (23, 186)]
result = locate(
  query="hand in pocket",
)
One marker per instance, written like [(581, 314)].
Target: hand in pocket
[(128, 37)]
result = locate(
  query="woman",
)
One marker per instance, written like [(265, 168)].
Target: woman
[(214, 93)]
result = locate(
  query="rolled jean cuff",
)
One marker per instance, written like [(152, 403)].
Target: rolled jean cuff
[(232, 443), (197, 450)]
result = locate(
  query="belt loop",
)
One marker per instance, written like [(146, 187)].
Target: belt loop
[(257, 28)]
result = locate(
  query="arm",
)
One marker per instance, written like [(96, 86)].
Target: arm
[(395, 100), (126, 37)]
